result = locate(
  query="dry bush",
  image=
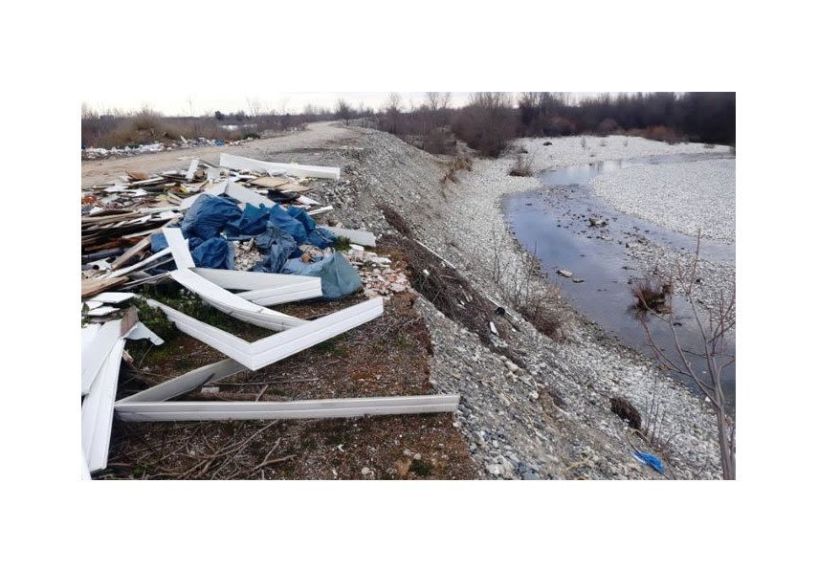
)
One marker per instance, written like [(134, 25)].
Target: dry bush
[(659, 133), (521, 284), (459, 163), (627, 411), (522, 166), (396, 221), (652, 295)]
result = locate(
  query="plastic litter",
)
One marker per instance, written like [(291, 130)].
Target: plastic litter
[(321, 237), (209, 215), (214, 253), (338, 277), (281, 219), (158, 242), (253, 221), (648, 459), (278, 247)]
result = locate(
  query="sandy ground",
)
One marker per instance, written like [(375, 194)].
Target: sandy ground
[(100, 171)]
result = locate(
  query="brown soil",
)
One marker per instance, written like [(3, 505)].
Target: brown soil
[(359, 363)]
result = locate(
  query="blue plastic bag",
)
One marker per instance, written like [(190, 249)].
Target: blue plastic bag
[(208, 216), (338, 277), (253, 221), (301, 216), (321, 238), (214, 253), (282, 220), (278, 247)]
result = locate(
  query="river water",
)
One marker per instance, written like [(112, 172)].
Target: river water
[(553, 223)]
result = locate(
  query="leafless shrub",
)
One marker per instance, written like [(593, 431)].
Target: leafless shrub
[(522, 286), (458, 163), (713, 328), (625, 410), (652, 295), (522, 166), (396, 221)]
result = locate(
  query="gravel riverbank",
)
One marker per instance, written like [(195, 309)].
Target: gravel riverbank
[(683, 197), (550, 417)]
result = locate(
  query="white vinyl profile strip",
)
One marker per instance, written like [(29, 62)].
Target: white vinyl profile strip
[(247, 196), (361, 237), (243, 163), (327, 408), (142, 331), (97, 343), (244, 281), (191, 171), (112, 297), (281, 345), (187, 382), (178, 247), (282, 294), (97, 410), (233, 305), (134, 267), (321, 210)]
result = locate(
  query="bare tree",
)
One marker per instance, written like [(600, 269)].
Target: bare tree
[(392, 109), (714, 329), (343, 110)]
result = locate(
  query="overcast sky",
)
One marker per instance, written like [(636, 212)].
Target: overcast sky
[(200, 103)]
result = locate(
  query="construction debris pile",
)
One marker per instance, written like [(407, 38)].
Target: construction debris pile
[(202, 228), (90, 153)]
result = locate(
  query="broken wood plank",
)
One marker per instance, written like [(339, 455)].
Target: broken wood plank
[(269, 181), (94, 286)]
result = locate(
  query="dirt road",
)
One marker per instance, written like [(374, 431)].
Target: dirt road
[(316, 135)]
